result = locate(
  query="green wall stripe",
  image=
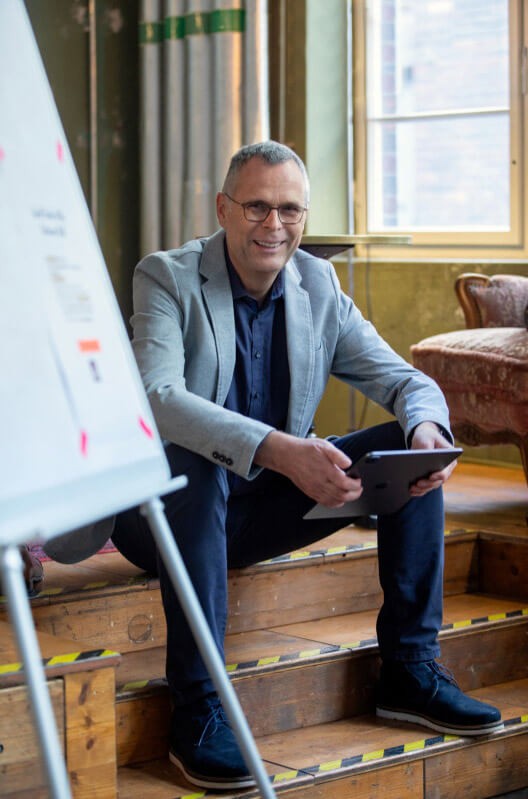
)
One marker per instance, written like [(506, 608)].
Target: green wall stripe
[(174, 27), (150, 32), (222, 20), (228, 19), (196, 23)]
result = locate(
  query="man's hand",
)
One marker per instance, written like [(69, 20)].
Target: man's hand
[(313, 464), (428, 436)]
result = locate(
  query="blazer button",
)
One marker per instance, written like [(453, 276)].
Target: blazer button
[(229, 461), (215, 455), (221, 458)]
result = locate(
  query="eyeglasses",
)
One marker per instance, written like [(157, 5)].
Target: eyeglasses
[(258, 211)]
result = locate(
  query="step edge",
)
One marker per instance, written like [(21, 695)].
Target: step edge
[(327, 652), (376, 760)]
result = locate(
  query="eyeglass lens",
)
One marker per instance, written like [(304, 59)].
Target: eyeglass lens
[(259, 212)]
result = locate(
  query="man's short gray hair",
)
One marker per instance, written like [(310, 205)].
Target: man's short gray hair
[(271, 152)]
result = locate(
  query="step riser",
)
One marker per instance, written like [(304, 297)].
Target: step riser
[(331, 587), (487, 657), (20, 767), (483, 770), (503, 567), (318, 693), (134, 620), (84, 706)]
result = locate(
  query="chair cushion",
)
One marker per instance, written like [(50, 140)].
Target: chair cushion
[(502, 303), (484, 374)]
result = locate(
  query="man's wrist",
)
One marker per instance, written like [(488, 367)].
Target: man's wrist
[(441, 429)]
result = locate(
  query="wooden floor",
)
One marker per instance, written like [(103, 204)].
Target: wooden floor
[(487, 498)]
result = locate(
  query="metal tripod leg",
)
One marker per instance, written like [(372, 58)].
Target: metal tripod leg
[(153, 510), (11, 573)]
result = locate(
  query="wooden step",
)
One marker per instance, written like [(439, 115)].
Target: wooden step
[(286, 669), (82, 691), (364, 757), (108, 601)]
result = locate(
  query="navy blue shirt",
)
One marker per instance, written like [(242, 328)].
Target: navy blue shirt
[(260, 387)]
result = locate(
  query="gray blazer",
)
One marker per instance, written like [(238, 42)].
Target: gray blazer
[(184, 342)]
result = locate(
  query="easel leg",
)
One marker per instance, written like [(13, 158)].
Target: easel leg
[(11, 569), (153, 510)]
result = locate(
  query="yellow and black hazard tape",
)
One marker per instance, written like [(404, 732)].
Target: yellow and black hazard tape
[(305, 554), (344, 549), (51, 591), (507, 614), (142, 685), (379, 754), (331, 649), (305, 654), (272, 661), (61, 660), (138, 579), (365, 758)]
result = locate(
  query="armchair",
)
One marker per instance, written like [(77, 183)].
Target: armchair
[(483, 370)]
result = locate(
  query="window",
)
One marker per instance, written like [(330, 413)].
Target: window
[(439, 87)]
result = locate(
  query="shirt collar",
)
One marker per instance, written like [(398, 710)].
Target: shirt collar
[(237, 287)]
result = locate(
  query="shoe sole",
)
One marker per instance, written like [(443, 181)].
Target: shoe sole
[(222, 783), (416, 718)]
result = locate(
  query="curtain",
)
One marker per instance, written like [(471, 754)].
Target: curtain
[(204, 93)]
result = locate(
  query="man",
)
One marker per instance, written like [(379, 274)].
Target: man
[(235, 336)]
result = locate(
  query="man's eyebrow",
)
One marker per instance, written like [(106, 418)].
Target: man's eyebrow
[(265, 202)]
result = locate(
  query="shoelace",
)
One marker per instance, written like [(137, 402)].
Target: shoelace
[(444, 672), (217, 716)]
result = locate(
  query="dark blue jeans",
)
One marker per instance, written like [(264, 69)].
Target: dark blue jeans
[(216, 530)]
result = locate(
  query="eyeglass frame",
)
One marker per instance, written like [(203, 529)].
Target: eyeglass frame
[(271, 208)]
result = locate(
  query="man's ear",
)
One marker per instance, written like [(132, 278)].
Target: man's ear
[(221, 208)]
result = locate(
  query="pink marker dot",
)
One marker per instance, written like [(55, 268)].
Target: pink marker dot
[(145, 427), (60, 151), (84, 443), (2, 153)]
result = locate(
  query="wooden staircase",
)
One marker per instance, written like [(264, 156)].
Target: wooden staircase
[(301, 652)]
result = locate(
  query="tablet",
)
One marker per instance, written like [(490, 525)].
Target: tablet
[(386, 478)]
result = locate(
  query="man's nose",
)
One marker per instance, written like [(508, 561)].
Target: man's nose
[(273, 219)]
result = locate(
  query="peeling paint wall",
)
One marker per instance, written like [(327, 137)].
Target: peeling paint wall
[(92, 66)]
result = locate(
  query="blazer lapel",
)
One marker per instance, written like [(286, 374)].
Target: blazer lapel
[(301, 351), (219, 301)]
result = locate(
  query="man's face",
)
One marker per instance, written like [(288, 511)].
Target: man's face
[(259, 250)]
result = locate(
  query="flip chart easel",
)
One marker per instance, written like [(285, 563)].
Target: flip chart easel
[(78, 439)]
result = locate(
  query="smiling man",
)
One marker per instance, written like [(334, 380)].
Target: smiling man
[(236, 336)]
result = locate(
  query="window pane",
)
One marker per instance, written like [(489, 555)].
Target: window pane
[(438, 114), (451, 173)]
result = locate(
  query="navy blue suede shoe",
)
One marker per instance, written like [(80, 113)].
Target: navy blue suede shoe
[(427, 693), (204, 747)]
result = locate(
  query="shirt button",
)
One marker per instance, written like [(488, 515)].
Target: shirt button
[(257, 355)]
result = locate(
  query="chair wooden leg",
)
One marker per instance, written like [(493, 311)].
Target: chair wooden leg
[(523, 446)]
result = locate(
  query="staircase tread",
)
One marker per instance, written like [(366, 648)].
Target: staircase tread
[(109, 572), (337, 635), (482, 497), (316, 753), (59, 655)]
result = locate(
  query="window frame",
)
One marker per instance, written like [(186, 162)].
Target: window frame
[(441, 243)]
